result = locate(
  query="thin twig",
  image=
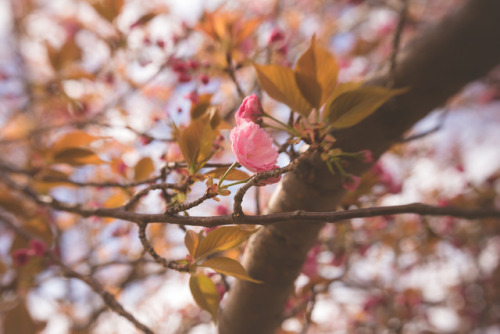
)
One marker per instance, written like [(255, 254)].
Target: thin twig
[(212, 221), (232, 75), (161, 186), (259, 177), (159, 259), (107, 297)]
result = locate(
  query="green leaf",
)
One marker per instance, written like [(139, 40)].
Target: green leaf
[(221, 239), (233, 175), (316, 74), (279, 83), (143, 169), (227, 266), (353, 106), (205, 294), (191, 241)]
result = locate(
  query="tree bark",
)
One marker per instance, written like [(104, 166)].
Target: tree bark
[(462, 48)]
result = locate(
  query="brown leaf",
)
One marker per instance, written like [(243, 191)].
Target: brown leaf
[(200, 107), (109, 9), (279, 82), (69, 52), (205, 294), (221, 239), (353, 106), (316, 74), (227, 266), (143, 168), (191, 241), (72, 139), (196, 140)]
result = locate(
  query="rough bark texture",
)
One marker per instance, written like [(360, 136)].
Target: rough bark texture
[(462, 48)]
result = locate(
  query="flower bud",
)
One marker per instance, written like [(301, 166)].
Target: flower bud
[(249, 111)]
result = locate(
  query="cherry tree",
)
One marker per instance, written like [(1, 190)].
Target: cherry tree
[(280, 160)]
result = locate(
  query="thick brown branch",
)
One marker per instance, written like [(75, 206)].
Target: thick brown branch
[(437, 65)]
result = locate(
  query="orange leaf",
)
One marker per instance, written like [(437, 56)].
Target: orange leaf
[(191, 241), (205, 294), (353, 106), (109, 9), (227, 266), (144, 168), (77, 156), (316, 74), (221, 239), (279, 82), (72, 139)]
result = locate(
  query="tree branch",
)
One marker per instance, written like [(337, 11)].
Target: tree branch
[(297, 216), (462, 48)]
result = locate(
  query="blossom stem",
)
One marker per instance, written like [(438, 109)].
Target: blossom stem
[(285, 126), (227, 173), (235, 183)]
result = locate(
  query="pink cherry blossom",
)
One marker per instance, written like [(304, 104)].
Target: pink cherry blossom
[(351, 182), (37, 247), (253, 147), (276, 36), (366, 156), (21, 256), (249, 111)]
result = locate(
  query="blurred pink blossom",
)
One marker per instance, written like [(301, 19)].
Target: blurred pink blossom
[(37, 247), (21, 256), (276, 36), (351, 182)]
